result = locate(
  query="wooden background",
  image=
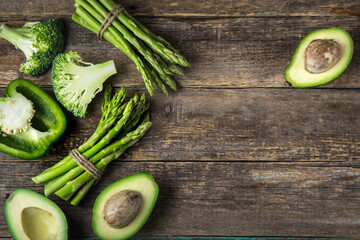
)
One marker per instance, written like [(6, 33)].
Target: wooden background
[(236, 152)]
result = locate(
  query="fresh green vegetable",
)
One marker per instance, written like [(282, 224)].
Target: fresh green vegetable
[(31, 216), (159, 59), (16, 114), (122, 124), (166, 52), (122, 208), (39, 41), (320, 58), (31, 120), (77, 82)]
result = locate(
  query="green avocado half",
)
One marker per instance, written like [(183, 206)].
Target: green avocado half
[(142, 183), (31, 216), (335, 50)]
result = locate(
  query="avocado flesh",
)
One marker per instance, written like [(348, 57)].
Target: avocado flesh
[(38, 223), (148, 189), (31, 216), (298, 76)]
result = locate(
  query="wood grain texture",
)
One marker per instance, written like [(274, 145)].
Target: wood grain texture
[(235, 151), (239, 125), (189, 8), (225, 53), (225, 199)]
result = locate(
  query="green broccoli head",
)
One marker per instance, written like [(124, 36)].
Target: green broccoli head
[(76, 82), (39, 41)]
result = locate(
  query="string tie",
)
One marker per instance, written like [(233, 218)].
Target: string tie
[(109, 19), (86, 164)]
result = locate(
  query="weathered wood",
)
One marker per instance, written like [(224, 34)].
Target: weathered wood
[(235, 125), (224, 199), (235, 152), (188, 8), (225, 53)]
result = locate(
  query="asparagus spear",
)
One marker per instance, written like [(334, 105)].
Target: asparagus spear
[(159, 84), (54, 185), (121, 32), (119, 42), (107, 116), (68, 178), (85, 188), (70, 170), (96, 9), (169, 68), (154, 36), (76, 170), (111, 111), (154, 44), (69, 164), (131, 138), (82, 192)]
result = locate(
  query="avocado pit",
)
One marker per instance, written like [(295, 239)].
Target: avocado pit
[(121, 208), (321, 55)]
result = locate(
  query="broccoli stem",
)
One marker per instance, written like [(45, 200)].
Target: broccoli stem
[(40, 42), (18, 37), (101, 71)]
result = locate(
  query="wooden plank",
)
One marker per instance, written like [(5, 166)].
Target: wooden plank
[(225, 53), (208, 238), (224, 199), (238, 125), (189, 8), (233, 153)]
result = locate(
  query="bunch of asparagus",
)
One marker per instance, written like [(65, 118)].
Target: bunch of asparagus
[(154, 57), (121, 125)]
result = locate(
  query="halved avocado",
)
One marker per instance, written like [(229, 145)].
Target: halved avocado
[(141, 184), (320, 58), (31, 216)]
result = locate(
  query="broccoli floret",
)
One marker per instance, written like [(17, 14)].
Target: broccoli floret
[(40, 42), (76, 82)]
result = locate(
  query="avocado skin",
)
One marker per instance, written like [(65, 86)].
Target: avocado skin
[(319, 78), (141, 182), (36, 200)]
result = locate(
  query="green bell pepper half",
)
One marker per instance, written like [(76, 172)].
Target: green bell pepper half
[(47, 125)]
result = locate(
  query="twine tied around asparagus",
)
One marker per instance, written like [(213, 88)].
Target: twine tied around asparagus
[(109, 19), (86, 165)]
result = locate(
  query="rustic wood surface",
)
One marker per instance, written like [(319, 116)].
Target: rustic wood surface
[(236, 152)]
